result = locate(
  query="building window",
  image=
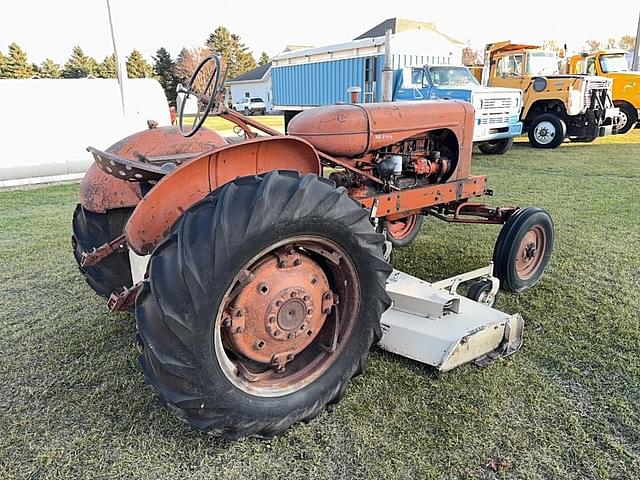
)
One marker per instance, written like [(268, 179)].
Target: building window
[(370, 79), (247, 95)]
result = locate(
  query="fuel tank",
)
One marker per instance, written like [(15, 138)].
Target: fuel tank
[(356, 129)]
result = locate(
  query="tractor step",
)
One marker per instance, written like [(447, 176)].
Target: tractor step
[(445, 330)]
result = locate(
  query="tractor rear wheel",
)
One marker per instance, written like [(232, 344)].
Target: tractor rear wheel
[(92, 230), (496, 147), (262, 304), (403, 232), (523, 249)]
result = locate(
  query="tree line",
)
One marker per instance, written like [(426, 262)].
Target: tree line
[(238, 59)]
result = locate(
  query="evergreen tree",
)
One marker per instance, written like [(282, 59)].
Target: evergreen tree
[(108, 69), (49, 69), (264, 58), (235, 55), (79, 65), (17, 64), (137, 66), (164, 70)]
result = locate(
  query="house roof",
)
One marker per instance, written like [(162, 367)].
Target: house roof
[(397, 25), (252, 75)]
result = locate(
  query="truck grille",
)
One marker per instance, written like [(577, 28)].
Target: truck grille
[(501, 103), (494, 119), (594, 87)]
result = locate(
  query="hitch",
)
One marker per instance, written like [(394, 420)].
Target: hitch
[(89, 259), (122, 301)]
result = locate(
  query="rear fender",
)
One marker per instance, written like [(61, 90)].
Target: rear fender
[(156, 213), (100, 192)]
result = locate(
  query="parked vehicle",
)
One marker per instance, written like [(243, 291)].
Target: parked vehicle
[(250, 106), (556, 106), (626, 84), (259, 286)]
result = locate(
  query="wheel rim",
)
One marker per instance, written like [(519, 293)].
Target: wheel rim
[(486, 298), (622, 120), (280, 325), (531, 252), (544, 132), (403, 227)]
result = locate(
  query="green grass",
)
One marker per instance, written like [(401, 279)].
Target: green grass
[(73, 403)]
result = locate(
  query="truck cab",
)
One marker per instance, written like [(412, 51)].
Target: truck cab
[(555, 106), (626, 84), (497, 109)]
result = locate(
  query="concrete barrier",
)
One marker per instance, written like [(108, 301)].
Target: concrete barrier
[(47, 124)]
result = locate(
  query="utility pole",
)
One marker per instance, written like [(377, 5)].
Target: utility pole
[(636, 50), (121, 66), (387, 70)]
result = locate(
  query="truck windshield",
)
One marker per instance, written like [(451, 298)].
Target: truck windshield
[(452, 76), (542, 63), (614, 63)]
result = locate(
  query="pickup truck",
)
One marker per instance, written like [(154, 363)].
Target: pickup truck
[(250, 106)]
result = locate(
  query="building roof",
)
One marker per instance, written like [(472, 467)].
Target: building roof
[(252, 75), (397, 25)]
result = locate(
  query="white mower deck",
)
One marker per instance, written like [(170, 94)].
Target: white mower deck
[(431, 325)]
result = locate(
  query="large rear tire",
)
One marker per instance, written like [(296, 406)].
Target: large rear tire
[(92, 230), (232, 297)]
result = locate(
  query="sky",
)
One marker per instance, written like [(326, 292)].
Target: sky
[(49, 29)]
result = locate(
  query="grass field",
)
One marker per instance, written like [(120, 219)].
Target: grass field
[(73, 403)]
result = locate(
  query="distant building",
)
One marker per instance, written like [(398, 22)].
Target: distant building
[(254, 83)]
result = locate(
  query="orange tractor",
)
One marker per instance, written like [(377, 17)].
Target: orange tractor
[(259, 285)]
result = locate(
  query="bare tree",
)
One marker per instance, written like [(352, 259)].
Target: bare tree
[(594, 44), (187, 61), (627, 42), (471, 57)]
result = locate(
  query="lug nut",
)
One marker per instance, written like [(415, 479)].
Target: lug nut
[(260, 344), (276, 333), (239, 330), (297, 262), (272, 319), (310, 311), (294, 294), (291, 335), (226, 322), (278, 303), (306, 298), (290, 357)]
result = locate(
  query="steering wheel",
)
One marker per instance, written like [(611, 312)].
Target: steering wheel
[(206, 85)]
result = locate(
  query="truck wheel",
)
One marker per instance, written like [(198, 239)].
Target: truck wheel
[(262, 304), (628, 117), (247, 112), (523, 249), (547, 131), (403, 232), (91, 230), (496, 147)]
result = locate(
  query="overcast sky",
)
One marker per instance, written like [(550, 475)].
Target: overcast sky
[(51, 28)]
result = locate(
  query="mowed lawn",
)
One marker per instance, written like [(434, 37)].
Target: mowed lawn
[(73, 403)]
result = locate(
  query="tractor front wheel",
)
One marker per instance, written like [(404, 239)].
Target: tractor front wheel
[(523, 249), (92, 230), (262, 304), (403, 232)]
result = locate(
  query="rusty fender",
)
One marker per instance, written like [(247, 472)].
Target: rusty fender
[(156, 213), (100, 192)]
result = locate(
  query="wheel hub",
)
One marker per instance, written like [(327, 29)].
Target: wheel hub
[(530, 252), (279, 311)]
